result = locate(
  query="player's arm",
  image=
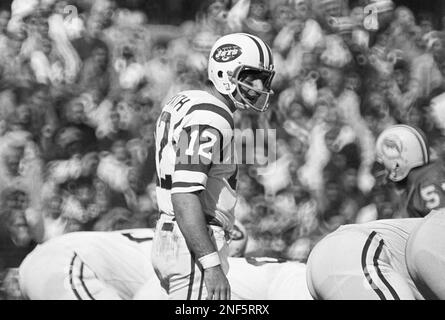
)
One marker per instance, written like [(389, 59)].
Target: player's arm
[(197, 148), (192, 222)]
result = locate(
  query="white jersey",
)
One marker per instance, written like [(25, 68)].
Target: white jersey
[(60, 267), (194, 152)]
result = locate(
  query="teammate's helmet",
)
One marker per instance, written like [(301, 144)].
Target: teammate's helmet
[(238, 240), (401, 148), (233, 59)]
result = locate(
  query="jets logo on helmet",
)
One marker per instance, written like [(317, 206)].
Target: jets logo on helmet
[(401, 148), (227, 53), (241, 67)]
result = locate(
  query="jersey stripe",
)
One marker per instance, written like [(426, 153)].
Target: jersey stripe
[(380, 274), (189, 177), (365, 268), (71, 278), (181, 184), (187, 189), (130, 237), (208, 107), (83, 283), (192, 167), (164, 183)]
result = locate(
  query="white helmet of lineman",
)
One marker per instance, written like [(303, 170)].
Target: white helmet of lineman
[(238, 240), (233, 59), (400, 148)]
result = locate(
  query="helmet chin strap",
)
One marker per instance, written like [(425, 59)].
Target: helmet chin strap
[(238, 105), (226, 96)]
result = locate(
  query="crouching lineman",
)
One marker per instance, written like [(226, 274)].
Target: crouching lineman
[(425, 255), (97, 265), (403, 153), (88, 266), (375, 260), (364, 262)]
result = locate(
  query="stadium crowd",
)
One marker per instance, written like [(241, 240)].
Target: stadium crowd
[(83, 82)]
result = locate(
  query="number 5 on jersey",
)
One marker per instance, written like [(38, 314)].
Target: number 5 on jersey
[(431, 196)]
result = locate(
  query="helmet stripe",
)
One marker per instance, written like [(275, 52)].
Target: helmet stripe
[(422, 142), (259, 49), (269, 52)]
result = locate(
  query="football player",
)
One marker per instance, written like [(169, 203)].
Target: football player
[(88, 266), (403, 153), (364, 262), (196, 168), (425, 255)]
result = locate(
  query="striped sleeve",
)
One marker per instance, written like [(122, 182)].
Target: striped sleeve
[(199, 147), (200, 138), (205, 114)]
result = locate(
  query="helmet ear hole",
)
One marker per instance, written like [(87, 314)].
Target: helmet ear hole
[(220, 74)]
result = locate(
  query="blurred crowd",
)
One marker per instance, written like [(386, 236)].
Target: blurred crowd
[(83, 82)]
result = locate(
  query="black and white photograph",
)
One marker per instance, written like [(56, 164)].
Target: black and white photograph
[(240, 151)]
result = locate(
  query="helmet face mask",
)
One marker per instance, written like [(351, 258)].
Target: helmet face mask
[(253, 95), (241, 68), (380, 172), (390, 171)]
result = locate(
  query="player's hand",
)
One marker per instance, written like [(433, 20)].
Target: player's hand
[(217, 285)]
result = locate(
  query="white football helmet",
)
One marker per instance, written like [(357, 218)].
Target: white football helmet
[(238, 240), (235, 62), (400, 148)]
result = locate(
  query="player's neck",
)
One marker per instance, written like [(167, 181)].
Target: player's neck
[(212, 90)]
